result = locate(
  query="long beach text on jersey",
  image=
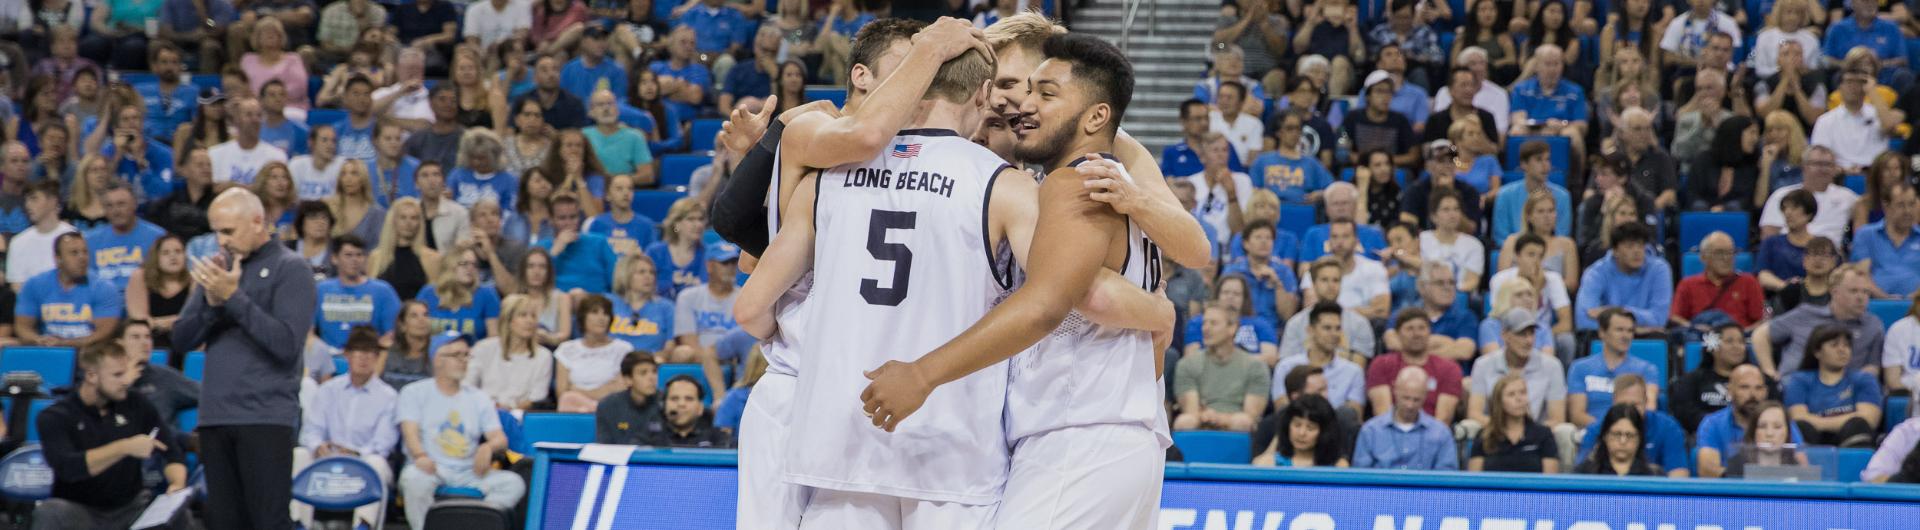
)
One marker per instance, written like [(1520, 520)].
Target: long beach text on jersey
[(883, 178)]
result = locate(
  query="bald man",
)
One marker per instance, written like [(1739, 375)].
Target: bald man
[(1718, 293), (251, 307), (1722, 433), (1408, 438)]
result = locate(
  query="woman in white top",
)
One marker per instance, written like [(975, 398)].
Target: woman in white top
[(1788, 22), (536, 282), (589, 367), (316, 175), (1900, 356), (1445, 242), (510, 367)]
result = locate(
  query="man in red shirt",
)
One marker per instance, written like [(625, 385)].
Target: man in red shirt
[(1443, 383), (1719, 288)]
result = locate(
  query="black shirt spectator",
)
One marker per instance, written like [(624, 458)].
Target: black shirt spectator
[(635, 416), (71, 427), (1413, 200), (1536, 445), (1441, 120), (684, 421), (422, 18), (560, 109)]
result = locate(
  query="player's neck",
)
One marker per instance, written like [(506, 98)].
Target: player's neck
[(940, 114)]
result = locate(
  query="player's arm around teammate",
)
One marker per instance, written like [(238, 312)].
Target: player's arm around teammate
[(788, 257), (1148, 200)]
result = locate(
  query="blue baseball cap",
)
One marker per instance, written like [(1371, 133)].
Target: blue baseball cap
[(723, 251), (448, 337)]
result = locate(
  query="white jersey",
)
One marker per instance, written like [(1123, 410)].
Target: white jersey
[(1088, 374), (902, 265), (780, 350)]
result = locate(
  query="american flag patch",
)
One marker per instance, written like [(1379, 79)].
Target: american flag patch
[(906, 150)]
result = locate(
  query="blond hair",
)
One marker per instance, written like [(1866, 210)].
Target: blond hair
[(680, 210), (508, 340), (453, 293), (1025, 30), (623, 274), (338, 201), (382, 255)]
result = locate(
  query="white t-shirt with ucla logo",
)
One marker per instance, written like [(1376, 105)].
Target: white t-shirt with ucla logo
[(231, 163), (1902, 348)]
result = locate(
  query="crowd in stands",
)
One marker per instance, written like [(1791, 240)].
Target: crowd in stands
[(1441, 231)]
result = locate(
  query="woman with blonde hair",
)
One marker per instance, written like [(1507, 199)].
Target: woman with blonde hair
[(1515, 293), (480, 104), (354, 209), (1782, 144), (512, 367), (457, 300), (274, 186), (679, 258), (402, 254), (640, 315), (588, 368), (556, 308), (726, 414), (83, 208), (271, 60)]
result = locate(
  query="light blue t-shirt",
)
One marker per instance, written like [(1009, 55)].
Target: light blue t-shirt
[(1590, 376), (67, 313), (1805, 388), (341, 307), (1290, 178), (288, 136), (450, 426), (621, 151), (356, 142), (646, 328), (586, 264), (470, 319), (114, 256), (468, 188)]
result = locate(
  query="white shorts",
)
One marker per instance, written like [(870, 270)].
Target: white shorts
[(1090, 477), (766, 501), (840, 510)]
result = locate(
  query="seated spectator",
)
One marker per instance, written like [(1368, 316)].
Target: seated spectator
[(276, 129), (1271, 285), (584, 367), (1647, 167), (1787, 334), (1513, 206), (1230, 119), (316, 175), (627, 231), (1346, 381), (1768, 440), (1377, 126), (1305, 434), (481, 173), (1831, 401), (1491, 98), (584, 262), (1694, 122), (1719, 293), (1356, 338), (118, 248), (1221, 196), (1418, 348), (759, 78), (624, 417), (1590, 381), (1363, 280), (1482, 172), (1546, 382), (702, 315), (165, 387), (350, 299), (1183, 158), (683, 82), (488, 23), (1333, 31), (272, 59), (1439, 123), (1230, 66), (1319, 133), (1252, 334), (65, 307), (1442, 173), (1453, 327), (1866, 28), (1511, 294), (1512, 441), (1721, 433), (1782, 153), (1858, 129), (641, 318), (1892, 461), (1445, 244), (1402, 260), (43, 210), (1408, 438), (1665, 441), (679, 253), (405, 101), (432, 25), (592, 68), (1378, 190), (63, 62), (1628, 279), (1887, 170), (1882, 248), (351, 416), (409, 360), (1291, 171), (1819, 261), (457, 301), (685, 420), (341, 24), (464, 430), (1625, 453), (1547, 103), (1341, 204), (239, 160), (402, 255), (1542, 259), (1779, 255), (558, 108), (511, 367), (1724, 178), (137, 160), (1394, 56), (439, 142), (622, 150), (1226, 387), (98, 464), (1705, 390)]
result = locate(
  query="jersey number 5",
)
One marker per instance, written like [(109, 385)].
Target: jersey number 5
[(898, 253)]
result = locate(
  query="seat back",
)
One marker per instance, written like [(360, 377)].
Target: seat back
[(702, 134), (338, 483), (1889, 311), (655, 203), (1296, 218), (1851, 463), (467, 514), (677, 170), (1214, 447), (1898, 407), (1691, 263), (838, 95), (55, 364), (669, 371), (557, 427), (25, 475), (1694, 226), (195, 366), (325, 117)]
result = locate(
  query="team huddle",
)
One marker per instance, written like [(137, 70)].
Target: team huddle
[(953, 341)]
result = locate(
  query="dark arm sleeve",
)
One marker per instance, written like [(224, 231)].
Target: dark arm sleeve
[(739, 212)]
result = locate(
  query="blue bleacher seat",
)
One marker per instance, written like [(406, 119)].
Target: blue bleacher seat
[(677, 170), (669, 371), (1695, 352), (1852, 462), (701, 136), (835, 94), (325, 116), (195, 366), (1560, 150), (157, 357), (654, 203), (1857, 183), (1650, 350), (205, 81), (1214, 447), (187, 420), (339, 365), (1898, 409), (55, 364), (1889, 311), (557, 427), (1296, 218), (1690, 264), (1694, 226), (443, 492)]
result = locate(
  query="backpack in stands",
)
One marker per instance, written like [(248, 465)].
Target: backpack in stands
[(467, 514)]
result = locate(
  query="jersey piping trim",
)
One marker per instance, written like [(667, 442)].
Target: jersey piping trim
[(1004, 278)]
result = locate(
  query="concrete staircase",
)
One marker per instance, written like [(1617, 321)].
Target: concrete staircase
[(1168, 46)]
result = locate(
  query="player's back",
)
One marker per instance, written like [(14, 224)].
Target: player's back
[(902, 265), (1089, 374)]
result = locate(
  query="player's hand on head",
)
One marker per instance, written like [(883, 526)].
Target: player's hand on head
[(949, 37), (898, 389)]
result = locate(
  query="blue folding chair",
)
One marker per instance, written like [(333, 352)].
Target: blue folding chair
[(677, 170), (1695, 353), (1889, 311), (1214, 447), (1898, 409), (157, 357), (340, 484), (837, 95), (1694, 227), (25, 475), (195, 365), (187, 420), (703, 132), (557, 427), (55, 364), (669, 371)]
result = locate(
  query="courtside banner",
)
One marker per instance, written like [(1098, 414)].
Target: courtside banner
[(695, 490)]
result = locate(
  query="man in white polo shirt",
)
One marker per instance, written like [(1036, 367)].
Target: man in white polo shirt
[(1835, 202), (1857, 130)]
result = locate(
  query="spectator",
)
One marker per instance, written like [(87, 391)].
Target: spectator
[(1686, 36), (1440, 121), (1363, 281), (1305, 434), (1228, 118), (1546, 103), (1721, 433), (1788, 22), (1900, 358), (401, 256), (272, 60), (1258, 39), (536, 282), (553, 18), (1618, 210), (184, 24), (118, 248), (683, 82), (703, 315), (279, 131), (355, 133), (1356, 331), (165, 387), (1867, 29), (158, 288), (1319, 136), (1780, 254), (584, 373), (480, 175), (432, 25), (678, 254), (1858, 129), (623, 417), (1788, 333), (1541, 260), (350, 299), (1890, 460), (391, 175), (465, 432), (1625, 453), (353, 203), (1830, 399), (404, 101), (1418, 348), (316, 175), (488, 23), (1451, 325), (1591, 387), (1491, 97), (64, 306), (64, 63), (1626, 278), (574, 168), (98, 465), (1442, 173), (1882, 248), (457, 301), (1290, 171), (1517, 293), (1513, 441), (240, 159), (1489, 31), (1512, 202), (446, 222), (1887, 170), (311, 230), (351, 416), (341, 24), (1724, 177), (621, 149), (627, 231), (1768, 440), (592, 68), (557, 107), (1183, 158), (1408, 438), (754, 80), (169, 99), (1545, 380), (438, 143), (1704, 390), (1665, 443), (409, 360), (686, 421), (1332, 31), (584, 260), (1225, 389), (1346, 381), (1252, 334), (1719, 293), (1272, 286), (720, 29), (1463, 253), (1483, 173), (1379, 190), (1378, 126), (1418, 51), (511, 367)]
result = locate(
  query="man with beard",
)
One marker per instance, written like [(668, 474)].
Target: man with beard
[(97, 440), (1721, 432)]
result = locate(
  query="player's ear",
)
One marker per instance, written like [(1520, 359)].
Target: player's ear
[(980, 96), (860, 77), (1097, 118)]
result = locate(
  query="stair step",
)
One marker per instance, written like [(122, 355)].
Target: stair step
[(1114, 27), (1145, 15)]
